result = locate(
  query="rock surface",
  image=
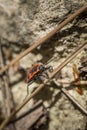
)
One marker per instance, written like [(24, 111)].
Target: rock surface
[(22, 23)]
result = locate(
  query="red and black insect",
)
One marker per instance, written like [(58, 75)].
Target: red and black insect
[(37, 71)]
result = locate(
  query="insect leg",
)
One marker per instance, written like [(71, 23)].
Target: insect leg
[(28, 85), (46, 74), (42, 77), (50, 68)]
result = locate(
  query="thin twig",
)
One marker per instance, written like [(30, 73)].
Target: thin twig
[(34, 115), (45, 38), (71, 98), (82, 82), (7, 95), (7, 91), (43, 85), (35, 106), (4, 111)]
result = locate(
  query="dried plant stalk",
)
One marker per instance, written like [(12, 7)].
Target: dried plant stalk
[(45, 38), (43, 85)]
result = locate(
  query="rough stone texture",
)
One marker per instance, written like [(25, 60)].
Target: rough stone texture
[(23, 22)]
